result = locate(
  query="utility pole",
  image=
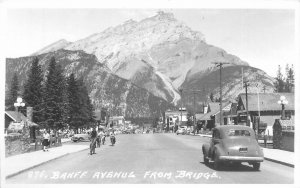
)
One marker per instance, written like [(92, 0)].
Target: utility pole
[(180, 90), (194, 93), (246, 84), (220, 64)]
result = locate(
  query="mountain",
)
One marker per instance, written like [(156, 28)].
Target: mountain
[(53, 47), (162, 54), (106, 89), (209, 82)]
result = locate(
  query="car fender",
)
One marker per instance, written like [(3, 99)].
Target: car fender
[(205, 148), (218, 151)]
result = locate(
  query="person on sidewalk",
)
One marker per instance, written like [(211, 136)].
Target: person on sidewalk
[(46, 140)]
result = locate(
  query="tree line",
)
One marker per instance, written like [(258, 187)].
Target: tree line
[(58, 101), (285, 83)]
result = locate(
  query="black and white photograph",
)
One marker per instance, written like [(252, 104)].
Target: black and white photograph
[(171, 93)]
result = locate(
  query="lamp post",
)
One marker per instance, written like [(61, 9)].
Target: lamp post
[(282, 102), (18, 104)]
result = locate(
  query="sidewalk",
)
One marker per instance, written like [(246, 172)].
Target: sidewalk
[(19, 163), (274, 155), (280, 156)]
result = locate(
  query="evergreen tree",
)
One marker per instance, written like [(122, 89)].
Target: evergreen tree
[(53, 96), (33, 91), (279, 83), (74, 119), (80, 108), (289, 85), (13, 93), (87, 110)]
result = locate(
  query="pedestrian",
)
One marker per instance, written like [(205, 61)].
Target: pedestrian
[(93, 141), (98, 138), (46, 139), (103, 137)]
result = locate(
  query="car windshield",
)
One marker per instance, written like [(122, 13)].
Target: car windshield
[(234, 132)]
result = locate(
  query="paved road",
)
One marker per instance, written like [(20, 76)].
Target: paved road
[(150, 158)]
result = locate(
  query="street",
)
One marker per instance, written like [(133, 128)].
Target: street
[(150, 158)]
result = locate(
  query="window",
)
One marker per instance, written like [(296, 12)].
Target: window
[(233, 132)]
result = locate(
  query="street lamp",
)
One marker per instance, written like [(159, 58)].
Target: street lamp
[(282, 102), (18, 104)]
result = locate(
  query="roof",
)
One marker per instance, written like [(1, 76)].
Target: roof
[(214, 108), (267, 101), (15, 116)]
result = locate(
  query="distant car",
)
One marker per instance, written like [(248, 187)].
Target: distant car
[(181, 130), (233, 144), (80, 137)]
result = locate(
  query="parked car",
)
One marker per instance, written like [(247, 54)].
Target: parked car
[(181, 130), (80, 137), (233, 144)]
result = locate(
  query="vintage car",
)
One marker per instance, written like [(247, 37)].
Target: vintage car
[(233, 144), (80, 137), (181, 130)]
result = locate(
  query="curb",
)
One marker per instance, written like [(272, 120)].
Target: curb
[(279, 162), (26, 169)]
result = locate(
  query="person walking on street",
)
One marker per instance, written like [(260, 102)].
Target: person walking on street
[(46, 140), (93, 141), (98, 138), (112, 138)]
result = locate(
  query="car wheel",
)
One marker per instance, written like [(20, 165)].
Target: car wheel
[(80, 139), (256, 166), (206, 160), (216, 163)]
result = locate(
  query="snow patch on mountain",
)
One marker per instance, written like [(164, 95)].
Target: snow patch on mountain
[(166, 80)]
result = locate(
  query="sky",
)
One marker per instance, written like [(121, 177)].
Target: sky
[(265, 38)]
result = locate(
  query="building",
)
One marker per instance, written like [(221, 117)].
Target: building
[(116, 121), (173, 117), (14, 121), (13, 117), (230, 117), (264, 108), (211, 116)]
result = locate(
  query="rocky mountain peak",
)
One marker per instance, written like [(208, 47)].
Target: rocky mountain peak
[(62, 43), (168, 16)]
